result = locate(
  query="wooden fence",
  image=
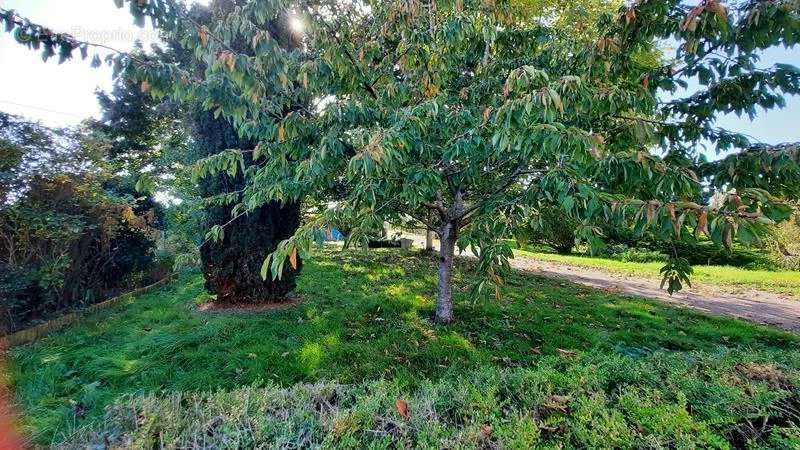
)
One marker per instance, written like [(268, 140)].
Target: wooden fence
[(29, 335)]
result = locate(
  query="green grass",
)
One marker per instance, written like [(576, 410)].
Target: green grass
[(781, 282), (367, 317)]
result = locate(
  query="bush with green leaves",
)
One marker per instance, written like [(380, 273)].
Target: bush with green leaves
[(784, 244), (550, 226), (65, 240)]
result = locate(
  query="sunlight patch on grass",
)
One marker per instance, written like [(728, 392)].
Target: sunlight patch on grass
[(310, 357), (456, 341)]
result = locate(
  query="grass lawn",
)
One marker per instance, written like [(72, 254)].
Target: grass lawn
[(550, 364), (781, 282)]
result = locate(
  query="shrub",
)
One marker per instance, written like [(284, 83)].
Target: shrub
[(67, 236), (638, 255), (67, 244), (784, 244), (550, 226)]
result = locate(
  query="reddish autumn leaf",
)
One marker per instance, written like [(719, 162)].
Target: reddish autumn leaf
[(702, 222), (630, 16), (203, 32), (402, 408)]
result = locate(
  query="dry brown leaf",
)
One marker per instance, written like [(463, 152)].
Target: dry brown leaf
[(702, 222), (293, 258), (558, 403), (203, 32), (651, 212), (671, 210), (630, 16), (762, 372), (402, 408), (567, 353)]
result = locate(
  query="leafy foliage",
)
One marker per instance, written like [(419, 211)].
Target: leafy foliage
[(549, 226), (65, 240), (784, 243), (235, 240), (458, 114)]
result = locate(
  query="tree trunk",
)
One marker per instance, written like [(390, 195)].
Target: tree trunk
[(444, 301), (232, 267), (429, 240)]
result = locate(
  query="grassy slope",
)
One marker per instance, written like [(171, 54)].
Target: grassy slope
[(782, 282), (362, 318)]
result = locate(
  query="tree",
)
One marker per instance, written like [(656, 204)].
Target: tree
[(231, 263), (459, 113), (149, 139), (65, 238), (232, 255)]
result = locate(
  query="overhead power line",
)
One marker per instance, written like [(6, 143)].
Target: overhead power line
[(39, 108)]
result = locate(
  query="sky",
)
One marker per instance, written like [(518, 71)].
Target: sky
[(60, 95)]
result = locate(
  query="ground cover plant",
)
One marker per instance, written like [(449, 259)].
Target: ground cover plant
[(369, 316), (691, 400)]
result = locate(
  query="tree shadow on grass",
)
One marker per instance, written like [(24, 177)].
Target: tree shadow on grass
[(364, 316)]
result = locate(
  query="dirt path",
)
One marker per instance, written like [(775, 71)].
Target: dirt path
[(753, 305)]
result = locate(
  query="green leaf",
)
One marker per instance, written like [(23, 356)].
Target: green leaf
[(265, 267)]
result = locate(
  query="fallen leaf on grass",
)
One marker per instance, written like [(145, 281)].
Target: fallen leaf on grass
[(557, 403), (402, 408)]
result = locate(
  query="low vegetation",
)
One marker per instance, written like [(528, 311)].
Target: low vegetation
[(549, 363), (589, 401)]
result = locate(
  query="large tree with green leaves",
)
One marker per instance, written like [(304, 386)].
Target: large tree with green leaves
[(150, 142), (459, 114)]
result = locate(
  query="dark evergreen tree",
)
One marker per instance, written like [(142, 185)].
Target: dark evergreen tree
[(232, 265), (139, 127)]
